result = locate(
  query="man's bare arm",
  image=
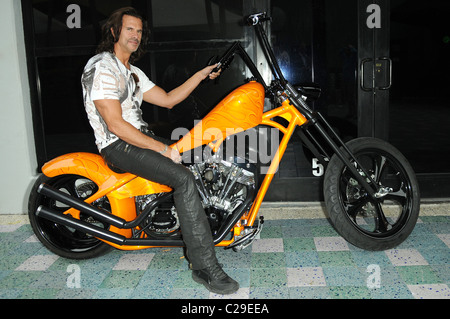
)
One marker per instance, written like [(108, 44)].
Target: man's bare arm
[(111, 112), (158, 96)]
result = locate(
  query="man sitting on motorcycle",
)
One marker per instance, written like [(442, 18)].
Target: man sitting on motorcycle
[(113, 91)]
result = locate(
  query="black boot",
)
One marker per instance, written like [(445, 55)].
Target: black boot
[(215, 280)]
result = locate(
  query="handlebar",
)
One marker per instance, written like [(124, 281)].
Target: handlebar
[(255, 19), (225, 60)]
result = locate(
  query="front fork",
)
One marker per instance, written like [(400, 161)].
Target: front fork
[(339, 148), (323, 129)]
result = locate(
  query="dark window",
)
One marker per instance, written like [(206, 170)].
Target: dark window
[(309, 49), (420, 104)]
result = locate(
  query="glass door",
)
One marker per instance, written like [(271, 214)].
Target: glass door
[(419, 101), (329, 43)]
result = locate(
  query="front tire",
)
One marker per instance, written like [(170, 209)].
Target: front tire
[(61, 240), (368, 223)]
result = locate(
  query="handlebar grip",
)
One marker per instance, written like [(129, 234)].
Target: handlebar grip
[(217, 68), (255, 19), (213, 60)]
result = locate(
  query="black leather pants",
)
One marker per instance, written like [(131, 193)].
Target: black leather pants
[(153, 166)]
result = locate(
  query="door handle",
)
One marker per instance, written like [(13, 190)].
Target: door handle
[(364, 64), (389, 78), (376, 74)]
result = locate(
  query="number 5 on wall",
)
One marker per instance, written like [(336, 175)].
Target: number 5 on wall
[(317, 168)]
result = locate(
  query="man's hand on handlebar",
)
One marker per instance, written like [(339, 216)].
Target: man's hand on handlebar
[(211, 71)]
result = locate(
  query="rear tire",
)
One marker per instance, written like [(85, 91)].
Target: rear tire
[(61, 240), (373, 224)]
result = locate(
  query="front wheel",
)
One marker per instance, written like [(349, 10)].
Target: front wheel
[(368, 223)]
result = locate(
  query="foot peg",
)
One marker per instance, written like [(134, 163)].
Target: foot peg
[(248, 235)]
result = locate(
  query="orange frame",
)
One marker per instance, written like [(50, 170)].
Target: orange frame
[(295, 118)]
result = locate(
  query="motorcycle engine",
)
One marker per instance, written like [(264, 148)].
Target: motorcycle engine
[(223, 187), (162, 220)]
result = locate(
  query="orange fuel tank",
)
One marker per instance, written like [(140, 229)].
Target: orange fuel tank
[(241, 110)]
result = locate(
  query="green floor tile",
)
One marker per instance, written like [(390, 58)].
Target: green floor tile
[(309, 293), (365, 258), (76, 293), (398, 291), (51, 280), (268, 260), (167, 261), (323, 231), (271, 232), (122, 279), (305, 258), (435, 219), (265, 277), (264, 293), (11, 261), (299, 244), (184, 280), (11, 293), (20, 279), (336, 258), (345, 276), (416, 275), (349, 293), (189, 293), (113, 293), (48, 293)]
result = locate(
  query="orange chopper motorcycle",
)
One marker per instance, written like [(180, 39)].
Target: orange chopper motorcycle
[(79, 207)]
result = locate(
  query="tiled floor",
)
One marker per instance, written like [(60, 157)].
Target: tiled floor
[(293, 259)]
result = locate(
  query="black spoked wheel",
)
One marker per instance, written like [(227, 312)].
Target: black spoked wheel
[(65, 241), (373, 224)]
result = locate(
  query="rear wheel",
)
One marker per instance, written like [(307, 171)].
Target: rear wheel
[(368, 223), (61, 240)]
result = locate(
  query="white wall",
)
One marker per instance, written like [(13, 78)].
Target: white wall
[(17, 153)]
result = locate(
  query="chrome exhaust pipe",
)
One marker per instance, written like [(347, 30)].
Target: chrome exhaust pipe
[(102, 216), (82, 206), (98, 232), (79, 225), (95, 212)]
